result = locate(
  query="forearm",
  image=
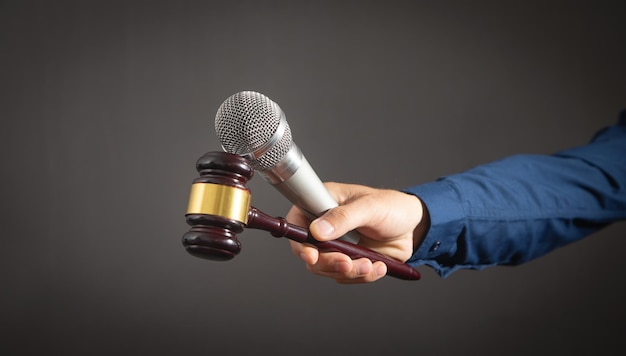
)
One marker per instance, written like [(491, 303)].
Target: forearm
[(519, 208)]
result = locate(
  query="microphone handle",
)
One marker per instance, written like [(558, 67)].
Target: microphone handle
[(306, 191), (279, 227)]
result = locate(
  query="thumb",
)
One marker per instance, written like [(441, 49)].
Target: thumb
[(338, 221)]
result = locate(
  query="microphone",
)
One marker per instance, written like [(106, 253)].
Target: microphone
[(253, 126)]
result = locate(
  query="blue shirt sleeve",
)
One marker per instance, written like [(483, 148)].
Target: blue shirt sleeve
[(519, 208)]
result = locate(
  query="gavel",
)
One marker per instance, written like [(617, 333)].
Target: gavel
[(219, 209)]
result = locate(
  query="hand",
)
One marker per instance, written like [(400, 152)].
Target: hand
[(390, 222)]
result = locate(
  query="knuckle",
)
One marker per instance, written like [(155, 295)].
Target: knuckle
[(340, 214)]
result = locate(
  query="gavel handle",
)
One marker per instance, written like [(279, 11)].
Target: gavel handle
[(279, 227)]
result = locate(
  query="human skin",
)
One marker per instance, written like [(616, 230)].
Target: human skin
[(389, 221)]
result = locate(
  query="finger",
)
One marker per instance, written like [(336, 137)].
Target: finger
[(307, 253), (376, 271), (333, 264), (346, 271), (338, 221), (296, 217)]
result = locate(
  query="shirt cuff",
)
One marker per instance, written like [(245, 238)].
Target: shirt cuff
[(447, 219)]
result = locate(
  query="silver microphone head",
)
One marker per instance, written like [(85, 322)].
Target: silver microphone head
[(251, 125)]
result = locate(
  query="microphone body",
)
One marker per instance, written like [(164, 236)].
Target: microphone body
[(300, 184), (253, 126)]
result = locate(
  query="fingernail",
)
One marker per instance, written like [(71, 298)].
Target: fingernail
[(342, 266), (323, 227), (363, 269), (380, 270)]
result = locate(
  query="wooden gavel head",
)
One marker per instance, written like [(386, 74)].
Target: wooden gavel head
[(218, 206)]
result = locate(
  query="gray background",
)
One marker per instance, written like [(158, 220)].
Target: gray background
[(106, 105)]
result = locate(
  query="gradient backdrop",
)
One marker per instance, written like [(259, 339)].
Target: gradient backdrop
[(106, 105)]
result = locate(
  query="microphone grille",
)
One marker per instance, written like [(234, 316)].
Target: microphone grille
[(246, 121)]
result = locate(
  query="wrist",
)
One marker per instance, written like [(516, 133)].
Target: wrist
[(420, 231)]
